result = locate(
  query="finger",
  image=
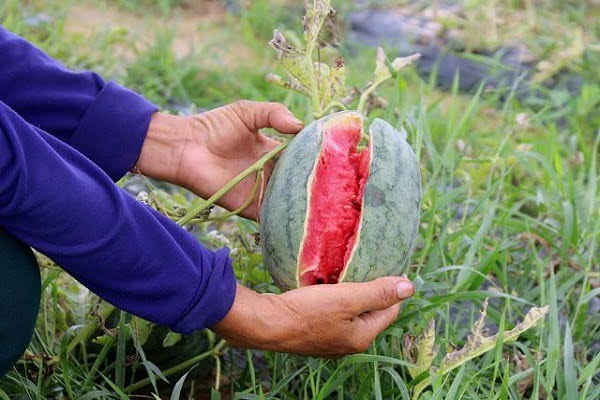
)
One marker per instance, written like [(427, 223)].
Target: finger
[(379, 294), (258, 115), (375, 322)]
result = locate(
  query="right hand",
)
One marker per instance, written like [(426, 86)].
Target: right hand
[(322, 320)]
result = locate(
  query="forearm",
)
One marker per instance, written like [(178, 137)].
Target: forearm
[(57, 201), (104, 121)]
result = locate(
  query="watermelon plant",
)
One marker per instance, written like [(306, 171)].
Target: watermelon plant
[(340, 204)]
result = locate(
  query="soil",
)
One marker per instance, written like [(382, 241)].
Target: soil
[(198, 27)]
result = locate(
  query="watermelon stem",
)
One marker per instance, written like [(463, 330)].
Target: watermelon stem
[(256, 167), (334, 105), (241, 208)]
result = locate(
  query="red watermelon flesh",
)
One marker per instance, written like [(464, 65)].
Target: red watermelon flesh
[(335, 203)]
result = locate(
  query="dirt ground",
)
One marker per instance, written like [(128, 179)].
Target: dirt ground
[(197, 26)]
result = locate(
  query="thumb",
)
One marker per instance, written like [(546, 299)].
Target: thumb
[(381, 293), (259, 115)]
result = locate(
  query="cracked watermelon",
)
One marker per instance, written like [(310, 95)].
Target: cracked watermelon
[(337, 211)]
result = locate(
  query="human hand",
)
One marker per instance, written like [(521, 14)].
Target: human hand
[(204, 152), (321, 320)]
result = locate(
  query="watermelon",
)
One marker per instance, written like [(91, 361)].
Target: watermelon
[(335, 210)]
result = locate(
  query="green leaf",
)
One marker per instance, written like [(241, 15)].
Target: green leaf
[(142, 329), (175, 395), (116, 388), (171, 338), (569, 366), (94, 395), (453, 391), (398, 380), (3, 395), (121, 348)]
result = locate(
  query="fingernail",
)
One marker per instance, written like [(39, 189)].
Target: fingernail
[(405, 289), (293, 118)]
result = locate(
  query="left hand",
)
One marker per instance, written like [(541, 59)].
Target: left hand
[(322, 320), (204, 152)]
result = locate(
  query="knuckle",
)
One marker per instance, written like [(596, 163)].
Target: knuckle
[(347, 305), (243, 108), (242, 104), (386, 296), (345, 300), (246, 112)]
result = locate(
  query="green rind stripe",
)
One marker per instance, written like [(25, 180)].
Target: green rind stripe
[(391, 207), (284, 207)]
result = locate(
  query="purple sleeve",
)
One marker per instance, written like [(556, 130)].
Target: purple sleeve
[(60, 203), (104, 121)]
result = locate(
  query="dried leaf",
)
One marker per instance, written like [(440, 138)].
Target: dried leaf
[(293, 83), (291, 58), (421, 352), (478, 343), (374, 102), (338, 79), (382, 72), (382, 66), (324, 81), (351, 95), (319, 24), (401, 62), (427, 351)]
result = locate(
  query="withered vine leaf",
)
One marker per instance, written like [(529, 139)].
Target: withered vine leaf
[(320, 24), (324, 80), (292, 59), (422, 352), (384, 70), (478, 343)]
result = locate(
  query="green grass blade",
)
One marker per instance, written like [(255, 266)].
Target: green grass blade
[(569, 366), (554, 343), (453, 391), (176, 393), (399, 382)]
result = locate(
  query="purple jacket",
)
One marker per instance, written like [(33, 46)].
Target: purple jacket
[(65, 137)]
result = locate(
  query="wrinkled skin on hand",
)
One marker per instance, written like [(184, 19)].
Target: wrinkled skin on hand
[(204, 152)]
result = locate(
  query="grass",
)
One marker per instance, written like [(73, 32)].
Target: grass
[(510, 213)]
